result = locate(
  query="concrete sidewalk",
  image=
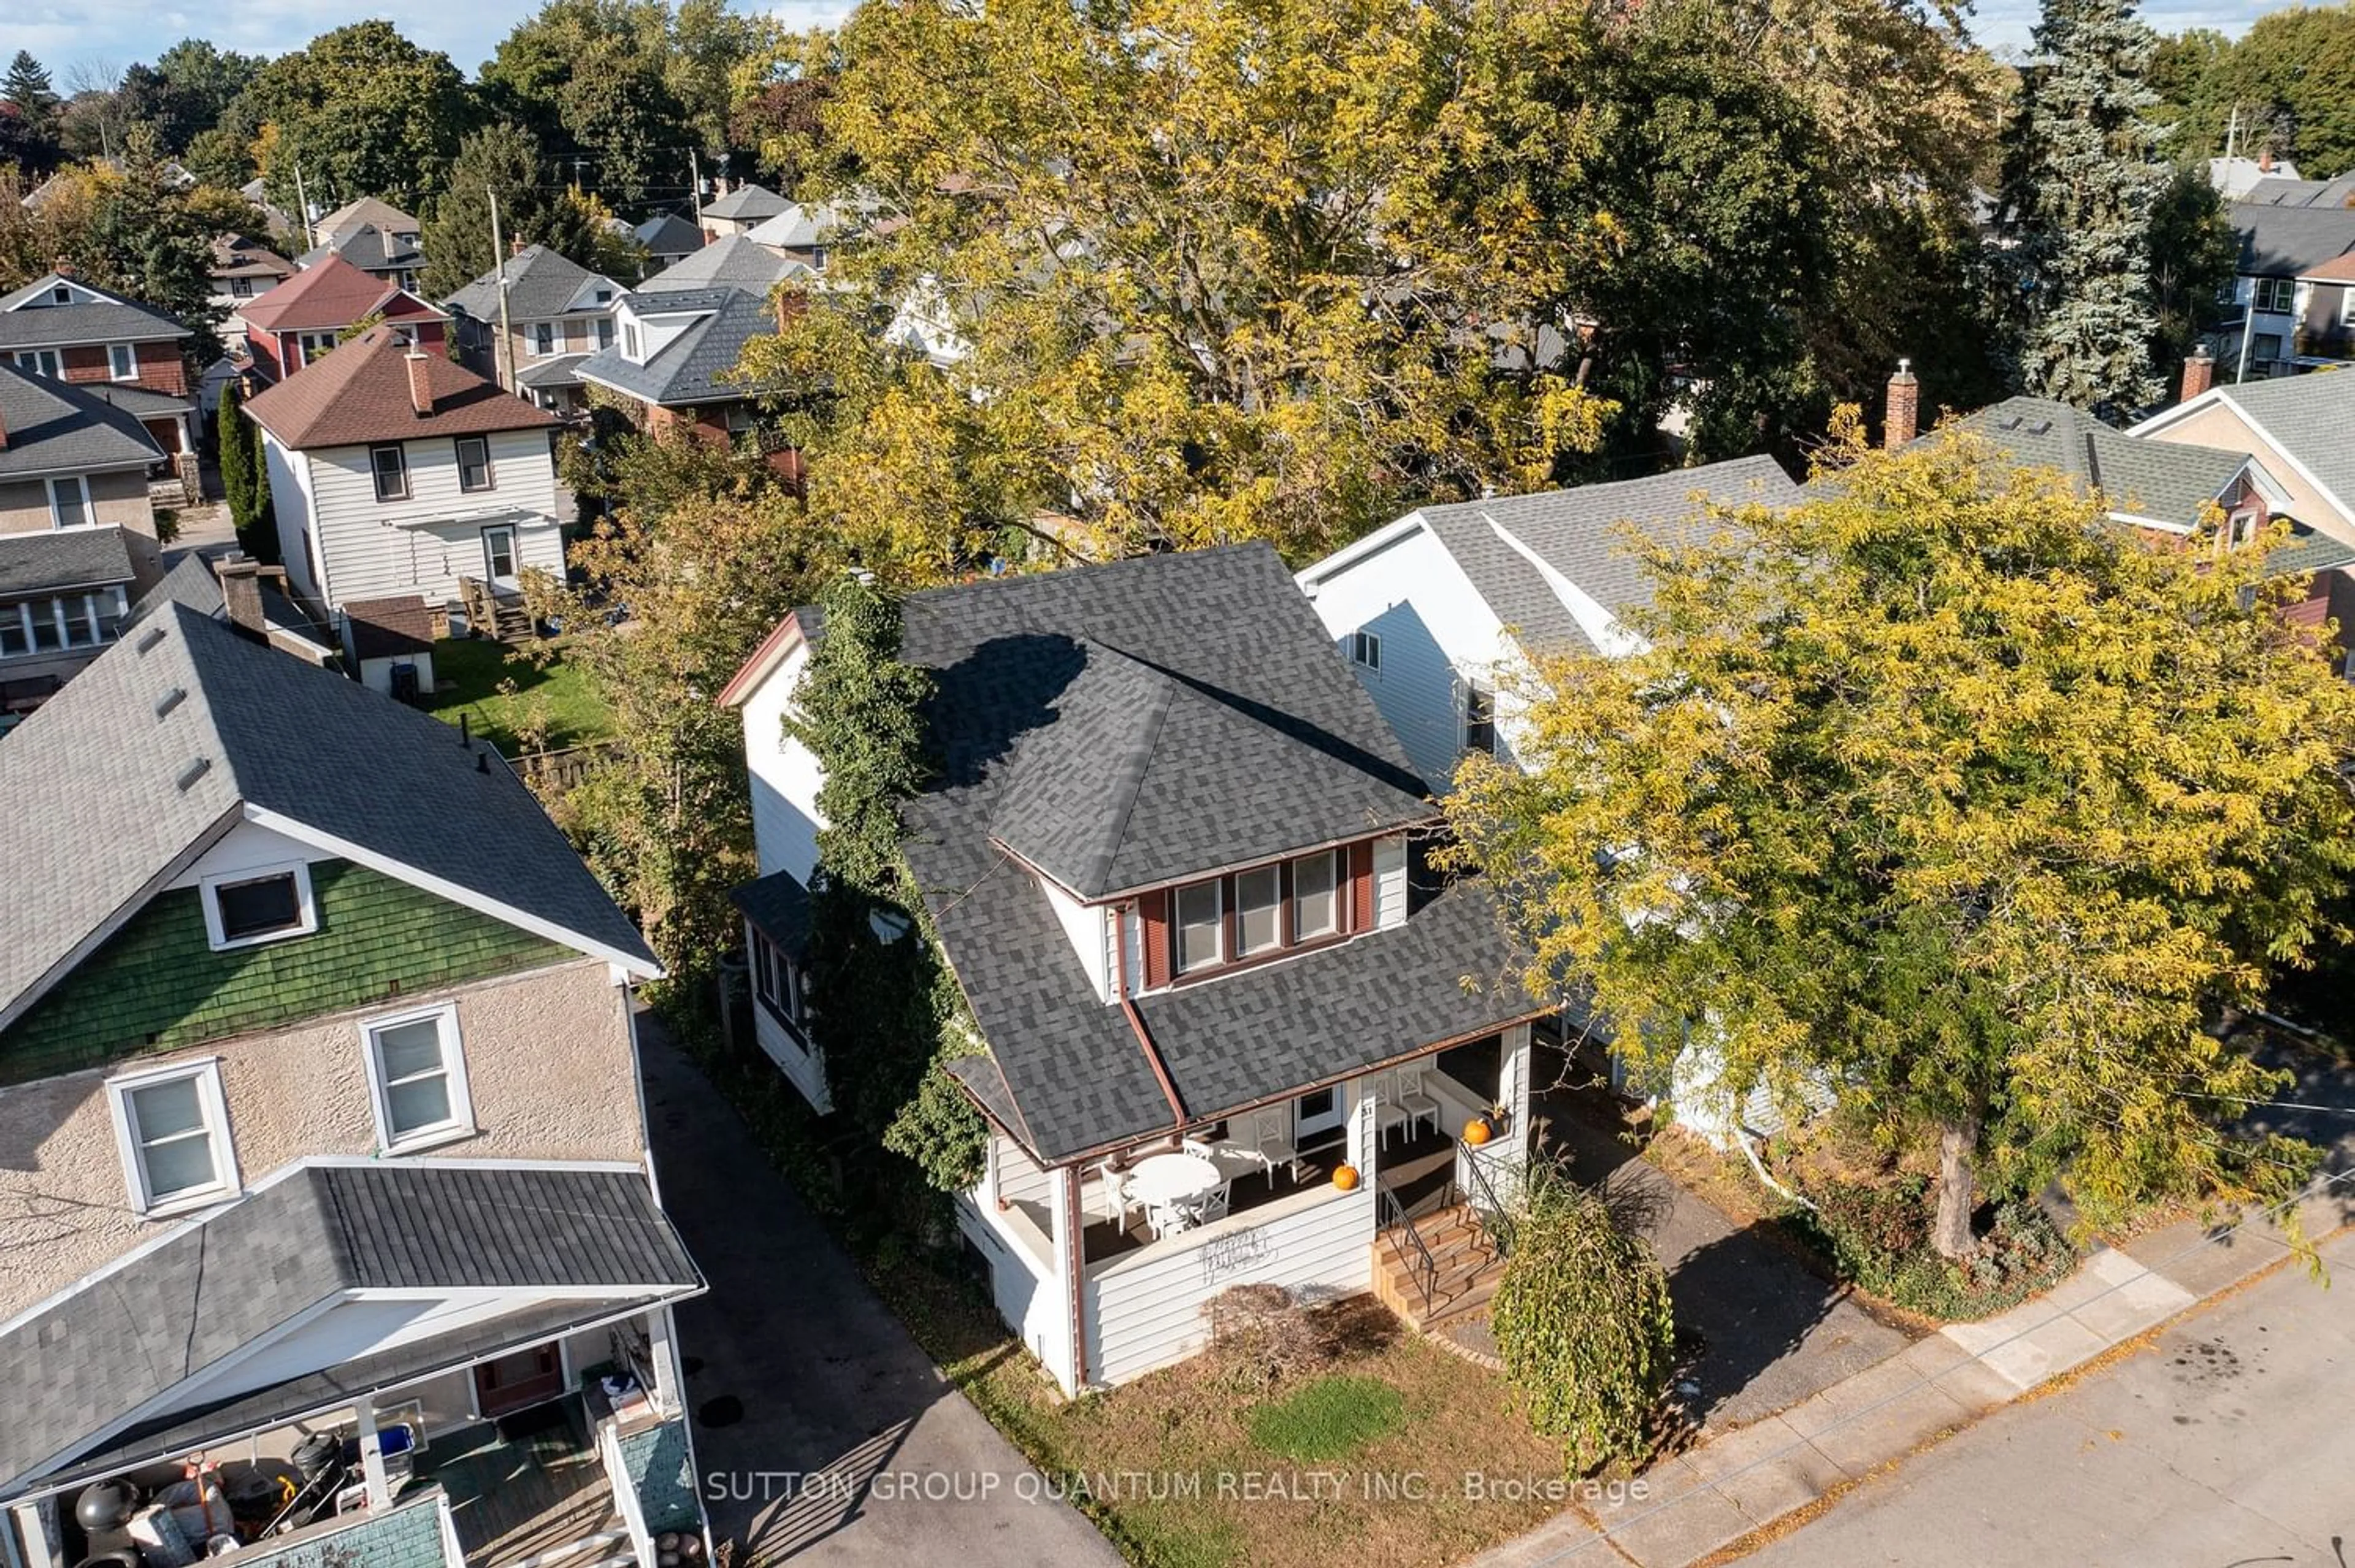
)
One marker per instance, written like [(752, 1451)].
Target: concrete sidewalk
[(1700, 1502)]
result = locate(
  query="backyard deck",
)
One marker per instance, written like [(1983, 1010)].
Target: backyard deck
[(526, 1485)]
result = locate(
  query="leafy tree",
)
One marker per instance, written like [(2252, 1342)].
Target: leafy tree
[(709, 558), (2289, 84), (1193, 272), (363, 111), (1583, 1323), (2194, 253), (1947, 787), (187, 90), (591, 79), (504, 159), (2083, 178)]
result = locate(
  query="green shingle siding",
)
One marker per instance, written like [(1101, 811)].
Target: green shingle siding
[(157, 985), (656, 1459), (408, 1536)]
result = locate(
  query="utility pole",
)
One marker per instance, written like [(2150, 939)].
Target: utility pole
[(503, 358), (695, 186), (304, 202)]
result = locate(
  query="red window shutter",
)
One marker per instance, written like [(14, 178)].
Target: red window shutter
[(1153, 916), (1361, 886)]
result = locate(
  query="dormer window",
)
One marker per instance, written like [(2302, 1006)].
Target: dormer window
[(1315, 895), (1199, 927), (1259, 911), (630, 348), (1366, 651), (269, 903), (1250, 914)]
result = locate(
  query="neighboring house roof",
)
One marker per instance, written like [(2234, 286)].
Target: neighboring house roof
[(696, 365), (564, 370), (2282, 241), (2234, 178), (29, 321), (802, 225), (390, 628), (366, 210), (360, 393), (1534, 557), (732, 260), (2288, 191), (191, 581), (52, 562), (2340, 269), (2308, 421), (137, 401), (2153, 482), (295, 1249), (368, 248), (235, 256), (255, 735), (747, 203), (780, 906), (58, 427), (329, 297), (668, 234), (540, 284), (1229, 648)]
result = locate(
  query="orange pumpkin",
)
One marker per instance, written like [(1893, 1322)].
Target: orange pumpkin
[(1345, 1177), (1476, 1131)]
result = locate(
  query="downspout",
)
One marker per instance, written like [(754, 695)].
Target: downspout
[(1153, 1059), (1076, 1286)]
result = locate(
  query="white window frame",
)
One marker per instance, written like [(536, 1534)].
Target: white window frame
[(1275, 907), (80, 482), (544, 340), (1475, 695), (632, 344), (461, 1125), (490, 473), (210, 890), (226, 1183), (2273, 288), (115, 370), (770, 961), (41, 362), (1366, 650)]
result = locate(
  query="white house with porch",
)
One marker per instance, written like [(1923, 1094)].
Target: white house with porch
[(1236, 1032)]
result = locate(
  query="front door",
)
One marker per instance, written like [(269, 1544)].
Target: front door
[(1315, 1113), (499, 556), (513, 1382)]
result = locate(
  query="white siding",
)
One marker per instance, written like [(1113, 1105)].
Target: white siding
[(785, 776), (1437, 632), (801, 1064), (1144, 1311), (290, 505), (370, 549), (1390, 880), (1084, 926)]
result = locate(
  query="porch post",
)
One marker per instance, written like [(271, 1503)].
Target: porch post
[(1513, 1087), (1363, 1146), (379, 1492), (989, 1186), (40, 1548), (1069, 1255), (662, 1349)]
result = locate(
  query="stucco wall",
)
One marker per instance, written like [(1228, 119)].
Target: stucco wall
[(547, 1067), (120, 498)]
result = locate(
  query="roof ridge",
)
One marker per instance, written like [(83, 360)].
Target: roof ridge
[(1137, 766)]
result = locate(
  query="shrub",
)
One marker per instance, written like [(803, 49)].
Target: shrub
[(1583, 1320), (1260, 1337), (1878, 1238), (1331, 1418)]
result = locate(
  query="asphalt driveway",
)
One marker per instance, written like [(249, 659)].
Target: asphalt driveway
[(822, 1435)]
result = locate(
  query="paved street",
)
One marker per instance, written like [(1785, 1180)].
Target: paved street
[(2229, 1441), (796, 1370)]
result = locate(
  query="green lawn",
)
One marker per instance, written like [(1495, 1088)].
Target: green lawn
[(552, 703)]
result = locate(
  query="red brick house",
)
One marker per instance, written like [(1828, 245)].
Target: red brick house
[(131, 354)]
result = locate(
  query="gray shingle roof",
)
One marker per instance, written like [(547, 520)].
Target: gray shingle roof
[(368, 248), (540, 284), (2284, 192), (125, 794), (69, 557), (1226, 630), (747, 203), (58, 427), (1579, 534), (2313, 417), (112, 318), (693, 368), (137, 401), (191, 581), (564, 370), (85, 1361), (2163, 482), (667, 234), (731, 260), (2282, 241), (780, 906)]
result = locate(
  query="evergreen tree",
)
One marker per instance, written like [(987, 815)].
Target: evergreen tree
[(2083, 178), (29, 115), (245, 477)]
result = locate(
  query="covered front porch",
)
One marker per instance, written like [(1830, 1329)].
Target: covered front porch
[(1104, 1265)]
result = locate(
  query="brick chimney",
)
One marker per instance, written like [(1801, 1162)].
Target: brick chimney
[(1904, 421), (2198, 374), (2265, 162), (791, 303), (241, 586), (421, 387)]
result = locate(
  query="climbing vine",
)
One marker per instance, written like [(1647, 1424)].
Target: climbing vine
[(885, 1010)]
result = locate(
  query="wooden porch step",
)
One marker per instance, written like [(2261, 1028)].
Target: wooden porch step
[(1468, 1267)]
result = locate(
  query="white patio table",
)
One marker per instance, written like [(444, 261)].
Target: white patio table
[(1174, 1184)]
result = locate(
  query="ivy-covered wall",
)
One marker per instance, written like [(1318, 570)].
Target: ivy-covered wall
[(157, 985)]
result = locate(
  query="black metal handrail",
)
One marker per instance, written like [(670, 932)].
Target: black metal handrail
[(1423, 1266), (1494, 1215)]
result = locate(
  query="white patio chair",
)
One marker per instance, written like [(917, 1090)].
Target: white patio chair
[(1115, 1186), (1214, 1205), (1166, 1220), (1412, 1101), (1198, 1149), (1271, 1138), (1383, 1090)]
